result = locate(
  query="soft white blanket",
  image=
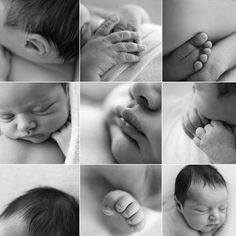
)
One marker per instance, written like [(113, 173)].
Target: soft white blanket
[(67, 137), (149, 66)]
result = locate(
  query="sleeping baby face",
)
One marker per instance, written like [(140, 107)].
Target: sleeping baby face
[(134, 121), (213, 106), (32, 111), (205, 208)]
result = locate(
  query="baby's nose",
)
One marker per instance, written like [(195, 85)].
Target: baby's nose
[(25, 123), (214, 215), (147, 95)]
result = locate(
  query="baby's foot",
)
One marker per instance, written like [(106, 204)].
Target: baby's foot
[(188, 58), (216, 140), (126, 206)]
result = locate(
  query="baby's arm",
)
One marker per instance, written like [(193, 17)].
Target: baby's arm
[(106, 49), (217, 141), (222, 59), (4, 64)]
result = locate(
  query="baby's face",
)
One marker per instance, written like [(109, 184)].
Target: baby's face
[(134, 121), (31, 111), (85, 26), (205, 208), (13, 226), (213, 107)]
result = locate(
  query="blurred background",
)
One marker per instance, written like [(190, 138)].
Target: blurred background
[(153, 7)]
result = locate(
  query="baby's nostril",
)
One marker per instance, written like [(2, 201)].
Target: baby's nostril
[(143, 101)]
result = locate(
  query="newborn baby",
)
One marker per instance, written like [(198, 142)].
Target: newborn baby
[(32, 112), (115, 41), (201, 198), (213, 102), (133, 120)]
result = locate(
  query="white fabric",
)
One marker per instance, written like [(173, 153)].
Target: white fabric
[(73, 149), (149, 66)]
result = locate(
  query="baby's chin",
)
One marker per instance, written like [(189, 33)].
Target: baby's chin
[(124, 149)]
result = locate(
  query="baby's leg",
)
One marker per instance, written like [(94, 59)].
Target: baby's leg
[(188, 58), (124, 209), (217, 141), (222, 59)]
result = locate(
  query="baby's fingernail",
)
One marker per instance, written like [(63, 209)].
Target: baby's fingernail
[(115, 19), (107, 211)]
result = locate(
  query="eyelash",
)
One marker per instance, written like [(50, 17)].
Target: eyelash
[(44, 109)]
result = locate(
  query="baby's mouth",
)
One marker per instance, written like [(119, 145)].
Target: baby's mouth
[(128, 117)]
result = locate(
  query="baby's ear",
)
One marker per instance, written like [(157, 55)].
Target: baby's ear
[(178, 204), (37, 45)]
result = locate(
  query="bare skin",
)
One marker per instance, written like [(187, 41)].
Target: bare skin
[(24, 152), (217, 141), (188, 59)]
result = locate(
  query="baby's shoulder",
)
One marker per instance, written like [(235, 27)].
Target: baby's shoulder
[(23, 70), (24, 152)]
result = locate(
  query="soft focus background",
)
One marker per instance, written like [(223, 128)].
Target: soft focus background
[(153, 7)]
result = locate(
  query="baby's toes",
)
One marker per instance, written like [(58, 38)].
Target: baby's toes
[(200, 132), (198, 65), (199, 39), (206, 51), (203, 58), (208, 44), (133, 208)]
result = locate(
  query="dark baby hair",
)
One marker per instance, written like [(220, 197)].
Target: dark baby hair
[(56, 20), (47, 212), (226, 88), (206, 174)]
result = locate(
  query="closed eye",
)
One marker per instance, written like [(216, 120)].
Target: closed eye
[(7, 117), (42, 110)]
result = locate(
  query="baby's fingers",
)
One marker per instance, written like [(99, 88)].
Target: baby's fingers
[(127, 57), (107, 26), (122, 36), (128, 47)]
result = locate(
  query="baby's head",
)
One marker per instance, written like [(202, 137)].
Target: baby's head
[(32, 111), (201, 197), (134, 121), (40, 30), (216, 101), (43, 211)]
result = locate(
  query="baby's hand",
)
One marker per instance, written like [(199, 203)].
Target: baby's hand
[(127, 22), (191, 120), (217, 141), (106, 49), (4, 64), (124, 205)]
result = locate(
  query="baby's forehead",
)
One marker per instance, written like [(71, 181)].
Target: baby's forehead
[(203, 192)]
